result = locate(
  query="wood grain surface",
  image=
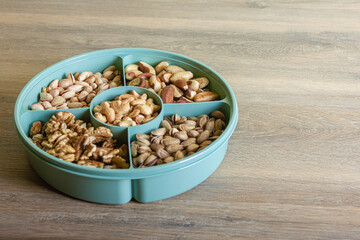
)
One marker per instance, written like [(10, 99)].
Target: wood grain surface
[(292, 170)]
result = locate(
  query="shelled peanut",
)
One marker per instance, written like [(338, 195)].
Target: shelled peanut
[(78, 142), (172, 83), (77, 91), (177, 138), (127, 110)]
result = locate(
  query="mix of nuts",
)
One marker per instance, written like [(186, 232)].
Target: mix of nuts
[(127, 110), (172, 83), (77, 91), (177, 138), (78, 142)]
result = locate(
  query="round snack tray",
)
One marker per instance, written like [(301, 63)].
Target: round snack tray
[(119, 186)]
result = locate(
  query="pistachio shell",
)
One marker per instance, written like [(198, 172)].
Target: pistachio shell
[(159, 132)]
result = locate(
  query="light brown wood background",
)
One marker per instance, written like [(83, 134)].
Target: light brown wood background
[(292, 170)]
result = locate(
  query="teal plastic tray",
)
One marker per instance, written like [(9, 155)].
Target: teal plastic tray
[(119, 186)]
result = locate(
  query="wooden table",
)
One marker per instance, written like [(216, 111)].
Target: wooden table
[(292, 170)]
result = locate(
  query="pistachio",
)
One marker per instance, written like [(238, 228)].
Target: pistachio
[(75, 105), (46, 104), (37, 106), (205, 143), (169, 144), (179, 155), (46, 96), (141, 158), (192, 147), (159, 132), (182, 135), (203, 120), (65, 83), (186, 127), (166, 124), (68, 94), (213, 137), (193, 133), (76, 88), (190, 153), (156, 146), (83, 76), (218, 132), (190, 122), (144, 149), (58, 100), (219, 124), (168, 159), (143, 141), (218, 115), (134, 149), (54, 84), (156, 139), (162, 153), (173, 131), (210, 125), (151, 160), (170, 141), (82, 95), (175, 118), (188, 141), (203, 136), (174, 148)]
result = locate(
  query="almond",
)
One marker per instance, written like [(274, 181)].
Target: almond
[(144, 67), (203, 81), (174, 69), (177, 92), (133, 74), (161, 66), (182, 75), (193, 85), (167, 94), (131, 67), (206, 96), (166, 77), (182, 84)]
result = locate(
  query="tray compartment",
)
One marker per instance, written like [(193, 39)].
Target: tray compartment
[(204, 162), (97, 64), (82, 186), (198, 71)]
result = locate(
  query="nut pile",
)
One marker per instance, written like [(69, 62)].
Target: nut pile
[(172, 83), (177, 138), (78, 142), (77, 91), (127, 110)]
